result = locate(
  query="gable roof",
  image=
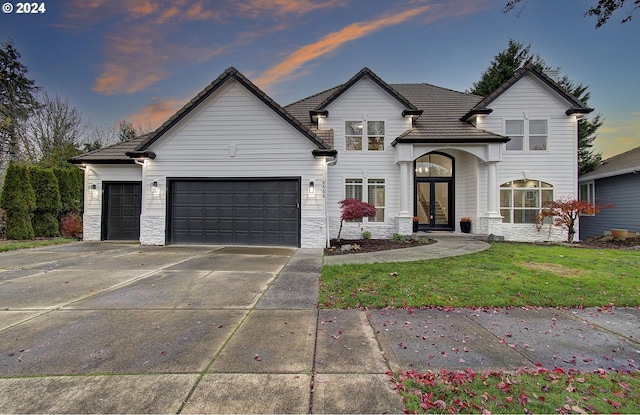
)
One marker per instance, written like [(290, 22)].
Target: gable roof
[(624, 163), (365, 72), (441, 110), (577, 106), (143, 143)]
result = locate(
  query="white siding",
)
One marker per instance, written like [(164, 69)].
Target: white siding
[(530, 99), (365, 101), (232, 135)]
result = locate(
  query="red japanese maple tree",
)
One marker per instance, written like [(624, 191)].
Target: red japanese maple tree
[(354, 209), (565, 211)]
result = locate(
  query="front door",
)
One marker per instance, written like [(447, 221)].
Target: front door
[(434, 202)]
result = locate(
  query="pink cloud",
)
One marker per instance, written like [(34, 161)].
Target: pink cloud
[(156, 113), (330, 43)]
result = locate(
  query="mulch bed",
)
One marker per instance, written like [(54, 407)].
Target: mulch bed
[(375, 245), (370, 245)]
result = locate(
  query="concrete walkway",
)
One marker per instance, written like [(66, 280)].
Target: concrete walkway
[(112, 328)]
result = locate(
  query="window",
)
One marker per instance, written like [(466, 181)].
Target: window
[(515, 130), (587, 192), (530, 134), (375, 195), (537, 135), (354, 131), (521, 200)]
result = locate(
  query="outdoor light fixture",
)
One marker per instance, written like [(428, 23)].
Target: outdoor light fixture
[(312, 188), (155, 190), (94, 190)]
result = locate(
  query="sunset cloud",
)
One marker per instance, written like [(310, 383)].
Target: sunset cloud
[(156, 113), (255, 8), (330, 43)]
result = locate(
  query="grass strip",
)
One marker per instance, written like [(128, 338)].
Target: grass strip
[(508, 274)]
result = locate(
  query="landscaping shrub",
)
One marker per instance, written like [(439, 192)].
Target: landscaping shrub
[(70, 184), (19, 201), (45, 217), (71, 225)]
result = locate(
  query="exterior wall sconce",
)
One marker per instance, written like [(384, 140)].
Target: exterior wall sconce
[(93, 190), (155, 190), (312, 188)]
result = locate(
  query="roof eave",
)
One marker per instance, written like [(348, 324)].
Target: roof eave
[(146, 154), (400, 140), (474, 112)]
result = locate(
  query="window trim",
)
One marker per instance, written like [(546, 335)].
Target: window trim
[(364, 185), (591, 193), (365, 136), (512, 208), (526, 136)]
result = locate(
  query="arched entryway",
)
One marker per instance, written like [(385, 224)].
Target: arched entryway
[(434, 192)]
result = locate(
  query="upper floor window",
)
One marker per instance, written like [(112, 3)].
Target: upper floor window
[(530, 134), (521, 200), (368, 135)]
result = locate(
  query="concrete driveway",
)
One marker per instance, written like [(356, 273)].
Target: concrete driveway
[(120, 328)]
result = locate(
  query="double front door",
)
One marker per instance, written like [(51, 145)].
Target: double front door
[(434, 201), (434, 205)]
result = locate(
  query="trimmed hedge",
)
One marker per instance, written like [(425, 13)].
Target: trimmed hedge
[(36, 200), (45, 218), (19, 201)]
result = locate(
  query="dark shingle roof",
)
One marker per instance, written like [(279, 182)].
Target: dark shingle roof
[(144, 142), (440, 121), (113, 154), (625, 163), (577, 106)]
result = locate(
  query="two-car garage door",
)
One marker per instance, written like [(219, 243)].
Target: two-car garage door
[(239, 212)]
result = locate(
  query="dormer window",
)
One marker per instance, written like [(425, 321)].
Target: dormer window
[(356, 131)]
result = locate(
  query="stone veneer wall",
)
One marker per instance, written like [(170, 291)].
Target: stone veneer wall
[(152, 230), (91, 227)]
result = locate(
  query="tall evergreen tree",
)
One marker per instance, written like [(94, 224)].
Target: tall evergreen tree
[(505, 64), (17, 100)]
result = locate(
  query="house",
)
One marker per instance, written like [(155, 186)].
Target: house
[(616, 181), (234, 167)]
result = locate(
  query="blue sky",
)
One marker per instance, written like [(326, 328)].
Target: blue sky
[(141, 60)]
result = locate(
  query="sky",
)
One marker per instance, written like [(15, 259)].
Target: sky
[(141, 60)]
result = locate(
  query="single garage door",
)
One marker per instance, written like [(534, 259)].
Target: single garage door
[(235, 212), (121, 209)]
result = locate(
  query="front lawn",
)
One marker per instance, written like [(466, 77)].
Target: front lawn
[(507, 274)]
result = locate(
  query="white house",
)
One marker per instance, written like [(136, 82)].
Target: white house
[(234, 167)]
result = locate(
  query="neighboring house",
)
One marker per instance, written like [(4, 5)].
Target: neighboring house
[(616, 181), (234, 167)]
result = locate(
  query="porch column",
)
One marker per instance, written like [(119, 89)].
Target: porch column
[(404, 188), (492, 189)]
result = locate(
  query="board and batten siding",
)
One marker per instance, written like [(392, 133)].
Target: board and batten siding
[(96, 175), (365, 101), (623, 192), (233, 135), (529, 99)]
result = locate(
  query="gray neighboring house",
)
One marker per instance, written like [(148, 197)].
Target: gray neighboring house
[(615, 181)]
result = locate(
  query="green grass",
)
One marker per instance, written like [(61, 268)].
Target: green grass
[(505, 275), (539, 391), (13, 245)]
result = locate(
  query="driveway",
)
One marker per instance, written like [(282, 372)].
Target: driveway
[(120, 328)]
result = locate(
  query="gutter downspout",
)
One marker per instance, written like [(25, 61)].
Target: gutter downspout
[(325, 168)]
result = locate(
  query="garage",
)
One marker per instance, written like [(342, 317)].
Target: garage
[(122, 204), (235, 212)]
